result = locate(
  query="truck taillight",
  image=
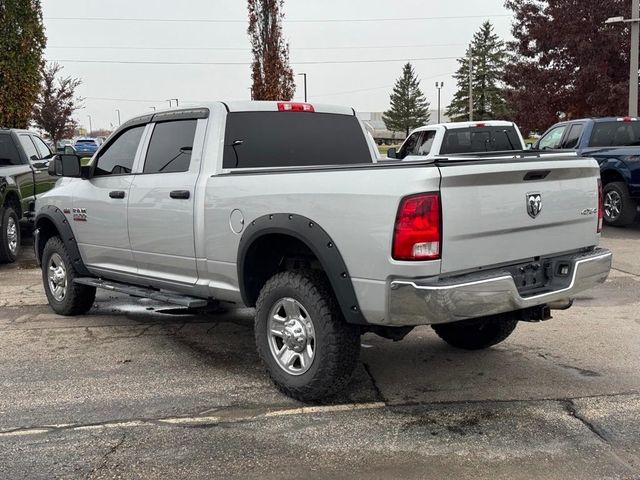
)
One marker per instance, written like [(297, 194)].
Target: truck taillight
[(294, 107), (418, 233), (600, 206)]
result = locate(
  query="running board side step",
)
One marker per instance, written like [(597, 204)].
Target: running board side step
[(142, 292)]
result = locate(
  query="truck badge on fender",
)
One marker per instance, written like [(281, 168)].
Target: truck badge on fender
[(534, 204), (79, 214)]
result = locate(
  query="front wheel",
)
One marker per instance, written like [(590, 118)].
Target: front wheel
[(9, 235), (309, 350), (477, 333), (65, 297)]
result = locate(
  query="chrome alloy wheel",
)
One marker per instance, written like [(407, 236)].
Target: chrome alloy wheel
[(292, 338), (57, 274), (12, 235), (612, 205)]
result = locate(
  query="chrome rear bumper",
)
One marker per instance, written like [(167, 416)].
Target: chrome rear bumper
[(413, 302)]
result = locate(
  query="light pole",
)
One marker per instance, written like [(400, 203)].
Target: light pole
[(154, 108), (90, 127), (633, 60), (439, 87), (470, 86), (305, 86), (118, 110)]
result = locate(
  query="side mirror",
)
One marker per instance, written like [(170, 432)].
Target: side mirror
[(391, 153), (65, 166), (528, 145), (69, 150)]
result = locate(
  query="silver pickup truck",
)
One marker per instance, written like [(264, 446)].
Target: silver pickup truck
[(283, 207)]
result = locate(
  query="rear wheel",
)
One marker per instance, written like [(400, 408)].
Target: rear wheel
[(477, 333), (309, 350), (65, 297), (619, 208), (9, 235)]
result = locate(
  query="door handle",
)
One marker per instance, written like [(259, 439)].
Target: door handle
[(116, 194), (180, 194)]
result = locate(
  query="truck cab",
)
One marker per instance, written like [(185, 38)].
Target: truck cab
[(459, 138), (615, 143)]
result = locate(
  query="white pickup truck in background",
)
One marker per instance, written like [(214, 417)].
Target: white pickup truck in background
[(459, 138)]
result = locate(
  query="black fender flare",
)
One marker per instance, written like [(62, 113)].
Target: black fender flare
[(59, 220), (319, 242)]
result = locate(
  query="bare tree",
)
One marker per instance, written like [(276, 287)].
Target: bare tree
[(56, 103), (270, 71)]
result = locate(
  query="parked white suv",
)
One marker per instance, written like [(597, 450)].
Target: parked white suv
[(460, 138)]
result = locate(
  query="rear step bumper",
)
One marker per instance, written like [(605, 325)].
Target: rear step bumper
[(142, 292), (474, 295)]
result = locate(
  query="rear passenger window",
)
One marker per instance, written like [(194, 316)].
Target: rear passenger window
[(118, 157), (293, 139), (571, 140), (8, 152), (170, 147)]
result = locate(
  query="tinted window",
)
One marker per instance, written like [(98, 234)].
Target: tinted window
[(118, 157), (92, 142), (29, 147), (285, 139), (572, 137), (43, 149), (552, 139), (8, 152), (475, 139), (170, 147), (615, 134)]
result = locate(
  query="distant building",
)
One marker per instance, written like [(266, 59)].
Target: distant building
[(375, 125)]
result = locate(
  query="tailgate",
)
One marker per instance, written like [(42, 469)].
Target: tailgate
[(487, 221)]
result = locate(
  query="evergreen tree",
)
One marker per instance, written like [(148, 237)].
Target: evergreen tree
[(271, 73), (56, 103), (409, 108), (488, 56), (22, 41)]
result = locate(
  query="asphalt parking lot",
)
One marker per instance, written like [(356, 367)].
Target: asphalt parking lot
[(137, 389)]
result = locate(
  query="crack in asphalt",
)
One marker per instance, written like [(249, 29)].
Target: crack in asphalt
[(232, 414), (572, 410), (376, 388), (105, 458)]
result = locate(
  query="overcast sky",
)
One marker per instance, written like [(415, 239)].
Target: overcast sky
[(220, 36)]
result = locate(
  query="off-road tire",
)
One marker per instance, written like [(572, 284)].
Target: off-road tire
[(337, 343), (78, 299), (6, 255), (628, 208), (477, 333)]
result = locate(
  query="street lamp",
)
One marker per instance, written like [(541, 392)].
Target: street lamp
[(118, 110), (439, 87), (90, 127), (305, 86), (635, 47), (154, 108)]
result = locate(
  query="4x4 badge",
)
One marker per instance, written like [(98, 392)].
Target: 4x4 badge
[(534, 204)]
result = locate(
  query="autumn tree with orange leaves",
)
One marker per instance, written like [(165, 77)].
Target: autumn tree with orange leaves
[(271, 74)]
